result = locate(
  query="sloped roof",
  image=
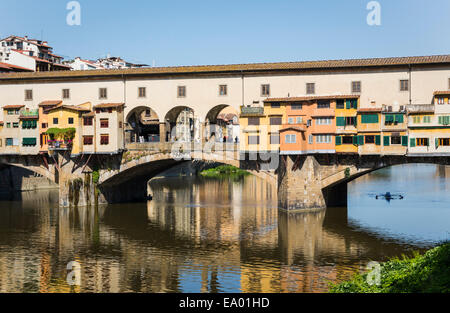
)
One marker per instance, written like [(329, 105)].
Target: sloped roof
[(311, 98), (241, 68)]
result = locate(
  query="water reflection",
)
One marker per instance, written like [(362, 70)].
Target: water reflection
[(205, 236)]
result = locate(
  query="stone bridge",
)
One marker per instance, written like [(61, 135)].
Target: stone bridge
[(304, 182), (318, 181)]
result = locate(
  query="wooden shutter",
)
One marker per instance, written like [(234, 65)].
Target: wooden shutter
[(387, 141), (412, 142), (340, 121), (405, 141), (378, 140), (338, 140)]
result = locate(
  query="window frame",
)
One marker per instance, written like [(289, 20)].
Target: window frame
[(223, 90), (142, 92), (265, 90), (310, 88), (181, 91), (103, 93), (28, 94), (402, 87), (356, 86), (66, 93)]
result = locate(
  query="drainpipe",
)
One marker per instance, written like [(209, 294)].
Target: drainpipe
[(243, 88), (410, 84)]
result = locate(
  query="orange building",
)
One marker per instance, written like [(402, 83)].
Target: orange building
[(309, 125), (43, 122)]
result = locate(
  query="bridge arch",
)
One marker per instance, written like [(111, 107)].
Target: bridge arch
[(13, 175), (142, 125), (182, 125), (222, 123)]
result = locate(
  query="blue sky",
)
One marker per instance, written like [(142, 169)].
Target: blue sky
[(189, 32)]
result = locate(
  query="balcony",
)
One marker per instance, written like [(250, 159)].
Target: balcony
[(420, 108), (252, 111), (29, 114), (59, 145)]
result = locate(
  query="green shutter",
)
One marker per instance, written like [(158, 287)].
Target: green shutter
[(354, 104), (446, 120), (412, 142), (338, 140), (441, 120), (340, 121), (405, 141), (387, 141), (437, 143), (365, 118), (348, 104), (360, 140), (378, 140), (389, 118), (355, 140), (369, 118), (398, 118)]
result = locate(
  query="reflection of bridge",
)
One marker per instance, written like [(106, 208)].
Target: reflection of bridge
[(304, 182), (162, 240)]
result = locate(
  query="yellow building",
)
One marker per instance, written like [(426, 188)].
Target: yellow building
[(65, 127), (369, 131), (394, 127), (346, 124), (252, 119)]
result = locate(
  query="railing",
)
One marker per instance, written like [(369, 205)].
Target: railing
[(167, 147), (252, 111), (417, 108), (59, 145), (29, 113)]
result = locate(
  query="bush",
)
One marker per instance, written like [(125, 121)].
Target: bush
[(224, 171), (428, 273)]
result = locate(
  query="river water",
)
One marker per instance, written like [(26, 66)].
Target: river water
[(203, 235)]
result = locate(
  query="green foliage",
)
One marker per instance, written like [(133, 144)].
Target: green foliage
[(429, 273), (224, 171), (95, 177), (61, 133)]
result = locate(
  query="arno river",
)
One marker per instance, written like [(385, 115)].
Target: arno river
[(203, 235)]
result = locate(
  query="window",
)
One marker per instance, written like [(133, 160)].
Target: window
[(444, 120), (274, 139), (223, 90), (120, 124), (253, 121), (275, 121), (346, 121), (28, 95), (347, 140), (8, 125), (265, 90), (104, 139), (290, 138), (66, 93), (323, 138), (299, 120), (181, 91), (369, 118), (142, 92), (253, 140), (416, 119), (29, 142), (422, 142), (356, 86), (396, 140), (11, 112), (88, 140), (15, 125), (323, 121), (290, 120), (103, 93), (444, 142), (310, 88), (296, 106), (404, 85), (275, 105), (323, 105), (440, 100), (70, 120), (87, 121), (369, 139), (104, 123), (9, 142), (55, 121), (311, 139), (340, 104), (427, 119)]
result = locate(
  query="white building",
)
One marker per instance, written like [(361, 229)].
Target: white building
[(29, 54), (79, 64)]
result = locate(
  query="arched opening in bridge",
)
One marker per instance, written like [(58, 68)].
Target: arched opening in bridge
[(182, 125), (222, 124), (142, 126)]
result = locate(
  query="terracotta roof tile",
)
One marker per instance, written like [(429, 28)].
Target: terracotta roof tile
[(370, 110), (239, 68), (311, 98), (13, 106), (442, 93), (108, 105), (50, 103)]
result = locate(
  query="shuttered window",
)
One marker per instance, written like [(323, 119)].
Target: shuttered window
[(387, 141), (405, 141), (338, 140), (253, 140), (340, 121), (275, 121), (369, 118), (29, 141)]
